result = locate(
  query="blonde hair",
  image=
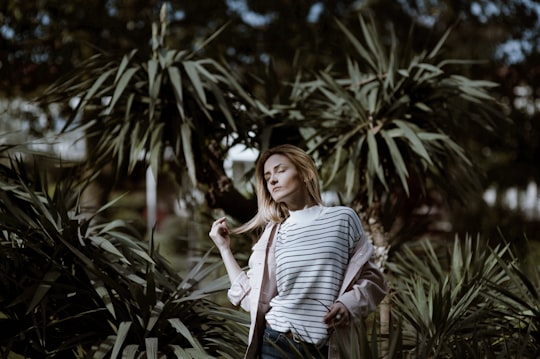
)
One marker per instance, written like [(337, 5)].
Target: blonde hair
[(269, 210)]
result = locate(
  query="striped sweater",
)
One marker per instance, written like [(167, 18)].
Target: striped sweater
[(313, 247)]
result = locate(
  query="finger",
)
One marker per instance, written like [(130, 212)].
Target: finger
[(219, 223), (331, 315)]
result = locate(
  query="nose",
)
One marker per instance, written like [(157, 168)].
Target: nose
[(272, 179)]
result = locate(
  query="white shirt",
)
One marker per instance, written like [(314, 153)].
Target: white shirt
[(312, 252)]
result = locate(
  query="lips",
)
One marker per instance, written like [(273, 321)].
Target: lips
[(276, 189)]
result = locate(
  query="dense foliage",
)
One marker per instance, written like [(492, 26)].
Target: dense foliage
[(405, 123), (79, 287), (74, 287)]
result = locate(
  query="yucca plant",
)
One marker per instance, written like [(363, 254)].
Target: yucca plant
[(394, 113), (520, 299), (168, 107), (71, 287), (446, 303), (391, 122)]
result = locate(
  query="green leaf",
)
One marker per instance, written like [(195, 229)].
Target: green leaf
[(152, 348), (364, 54), (352, 170), (336, 165), (156, 142), (101, 290), (123, 65), (397, 158), (185, 130), (435, 51), (416, 143), (121, 86), (95, 87), (373, 165), (369, 34), (184, 331), (180, 352), (130, 351), (176, 82), (422, 106), (199, 65), (153, 66), (223, 105), (143, 254), (373, 151), (107, 246), (191, 70), (44, 286), (155, 315), (123, 331), (372, 100)]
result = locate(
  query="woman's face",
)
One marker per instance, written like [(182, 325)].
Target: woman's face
[(284, 183)]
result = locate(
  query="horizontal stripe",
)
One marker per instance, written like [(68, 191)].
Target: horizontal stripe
[(311, 258)]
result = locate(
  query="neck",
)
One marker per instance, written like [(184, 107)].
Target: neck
[(299, 207)]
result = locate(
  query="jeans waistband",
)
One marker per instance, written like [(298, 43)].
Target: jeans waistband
[(293, 337)]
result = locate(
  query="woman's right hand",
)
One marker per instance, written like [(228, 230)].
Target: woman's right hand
[(220, 234)]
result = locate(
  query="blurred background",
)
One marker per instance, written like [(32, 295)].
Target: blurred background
[(266, 46), (128, 126)]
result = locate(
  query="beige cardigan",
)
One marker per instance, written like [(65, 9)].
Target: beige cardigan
[(363, 288)]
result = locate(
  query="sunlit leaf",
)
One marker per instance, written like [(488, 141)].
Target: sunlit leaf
[(398, 161), (191, 70), (121, 85), (123, 331), (176, 82), (188, 154), (102, 292), (416, 143), (152, 347)]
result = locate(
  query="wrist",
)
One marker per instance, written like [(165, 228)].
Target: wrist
[(224, 250)]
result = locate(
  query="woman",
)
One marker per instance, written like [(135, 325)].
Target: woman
[(311, 275)]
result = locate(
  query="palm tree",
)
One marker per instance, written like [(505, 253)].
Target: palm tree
[(392, 122), (387, 130), (173, 107)]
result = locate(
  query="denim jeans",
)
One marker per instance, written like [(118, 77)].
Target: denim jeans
[(277, 345)]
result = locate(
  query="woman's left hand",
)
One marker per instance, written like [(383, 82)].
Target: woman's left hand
[(338, 315)]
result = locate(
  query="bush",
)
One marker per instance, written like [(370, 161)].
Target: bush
[(76, 287)]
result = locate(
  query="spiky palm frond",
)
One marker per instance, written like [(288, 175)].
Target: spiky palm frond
[(137, 107), (70, 285), (447, 303), (520, 299), (392, 118)]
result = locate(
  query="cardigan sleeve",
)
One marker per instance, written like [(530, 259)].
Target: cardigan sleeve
[(367, 287), (367, 291), (238, 293), (248, 283)]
